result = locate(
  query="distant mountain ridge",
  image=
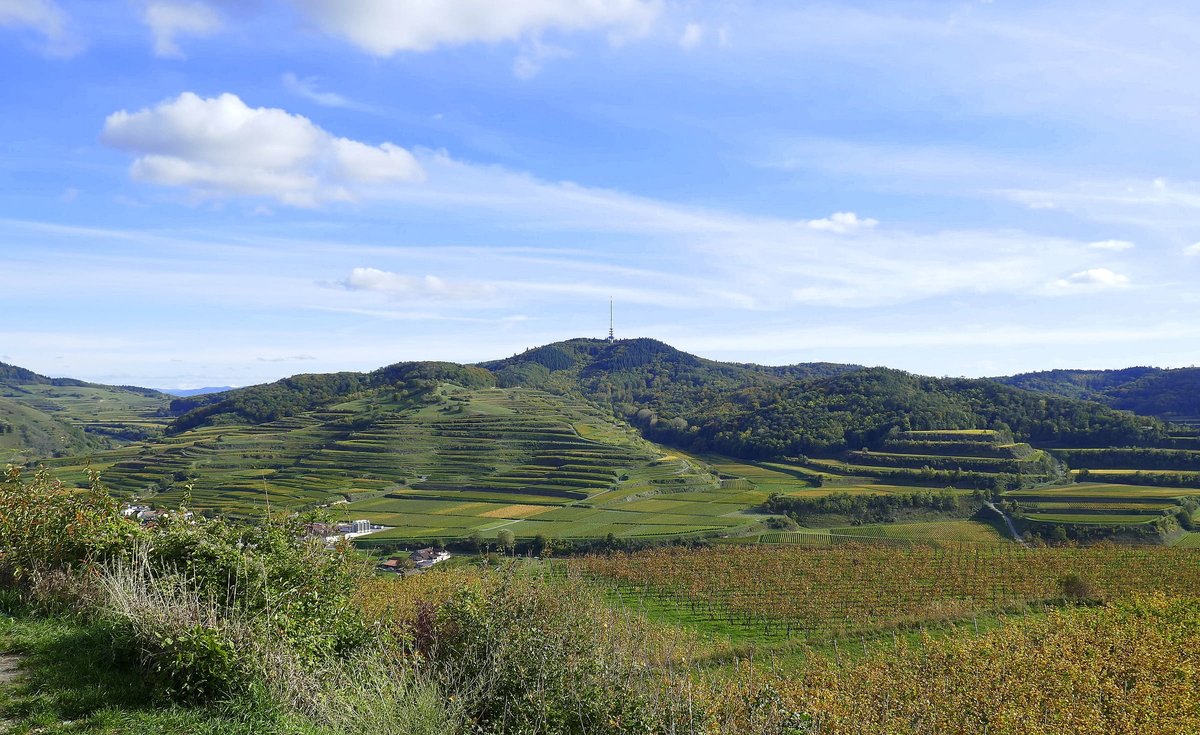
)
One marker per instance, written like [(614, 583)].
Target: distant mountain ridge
[(188, 392)]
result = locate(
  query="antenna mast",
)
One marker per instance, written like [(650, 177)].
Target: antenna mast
[(611, 338)]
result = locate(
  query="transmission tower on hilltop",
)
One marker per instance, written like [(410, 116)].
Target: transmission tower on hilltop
[(611, 338)]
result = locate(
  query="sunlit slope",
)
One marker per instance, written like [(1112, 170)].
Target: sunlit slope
[(27, 433), (109, 415)]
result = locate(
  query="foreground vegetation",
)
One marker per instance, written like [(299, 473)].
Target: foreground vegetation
[(197, 625)]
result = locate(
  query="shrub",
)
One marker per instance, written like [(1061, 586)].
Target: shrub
[(1078, 588), (523, 656), (45, 526)]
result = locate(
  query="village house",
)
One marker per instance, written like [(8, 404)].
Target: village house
[(425, 558)]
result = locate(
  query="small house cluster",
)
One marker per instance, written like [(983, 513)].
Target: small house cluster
[(146, 514), (418, 560)]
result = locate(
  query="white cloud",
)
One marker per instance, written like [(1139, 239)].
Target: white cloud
[(843, 223), (1193, 249), (1115, 245), (401, 286), (1092, 279), (307, 88), (170, 18), (220, 147), (44, 16), (693, 34), (384, 27)]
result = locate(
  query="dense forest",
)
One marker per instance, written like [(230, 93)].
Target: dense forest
[(1167, 394), (753, 411)]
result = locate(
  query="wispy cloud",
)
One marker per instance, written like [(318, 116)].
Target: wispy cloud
[(400, 286), (385, 27), (692, 36), (307, 87), (169, 19), (47, 18), (1113, 245), (1092, 279)]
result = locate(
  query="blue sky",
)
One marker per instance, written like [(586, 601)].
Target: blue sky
[(200, 192)]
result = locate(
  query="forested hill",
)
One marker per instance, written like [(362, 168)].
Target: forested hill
[(823, 415), (290, 396), (630, 372), (740, 409), (1168, 394)]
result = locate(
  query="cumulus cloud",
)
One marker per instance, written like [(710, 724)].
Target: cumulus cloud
[(402, 286), (384, 27), (220, 147), (45, 17), (1092, 279), (1115, 245), (693, 34), (170, 18), (842, 223)]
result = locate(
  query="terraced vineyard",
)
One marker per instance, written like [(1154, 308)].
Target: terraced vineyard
[(431, 450), (459, 461), (1139, 488), (960, 458)]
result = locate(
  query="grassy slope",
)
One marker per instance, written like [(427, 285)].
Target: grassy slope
[(27, 433), (95, 416)]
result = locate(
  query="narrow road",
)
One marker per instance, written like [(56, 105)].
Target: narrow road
[(1008, 522)]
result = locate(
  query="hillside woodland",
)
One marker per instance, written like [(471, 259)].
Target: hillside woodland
[(1167, 394), (742, 410)]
